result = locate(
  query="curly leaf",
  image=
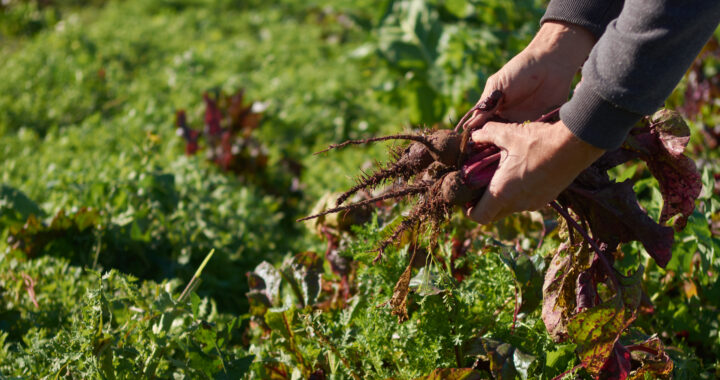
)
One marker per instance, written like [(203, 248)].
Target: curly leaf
[(655, 361), (399, 297)]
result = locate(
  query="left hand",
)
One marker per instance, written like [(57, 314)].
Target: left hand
[(538, 161)]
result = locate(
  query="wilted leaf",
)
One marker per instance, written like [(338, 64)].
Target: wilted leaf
[(559, 294), (339, 222), (615, 216), (595, 332), (398, 302), (424, 283), (655, 361)]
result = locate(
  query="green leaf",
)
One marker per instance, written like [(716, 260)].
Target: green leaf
[(459, 8), (561, 357), (528, 281), (452, 374), (425, 283), (15, 206), (195, 304)]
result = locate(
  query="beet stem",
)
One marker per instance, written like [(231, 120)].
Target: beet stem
[(608, 268), (548, 116), (482, 164)]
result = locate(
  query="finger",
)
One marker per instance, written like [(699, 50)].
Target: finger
[(478, 119), (484, 109), (487, 209), (494, 133)]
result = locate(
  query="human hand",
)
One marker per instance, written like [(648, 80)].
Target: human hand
[(539, 78), (537, 162)]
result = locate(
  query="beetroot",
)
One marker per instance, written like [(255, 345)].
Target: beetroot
[(440, 168)]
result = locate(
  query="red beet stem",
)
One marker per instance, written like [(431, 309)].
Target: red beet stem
[(481, 179), (484, 151), (549, 116), (478, 174), (477, 168)]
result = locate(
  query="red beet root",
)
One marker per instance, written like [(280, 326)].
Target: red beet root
[(440, 169)]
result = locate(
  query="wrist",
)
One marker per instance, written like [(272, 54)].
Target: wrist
[(582, 152), (566, 45)]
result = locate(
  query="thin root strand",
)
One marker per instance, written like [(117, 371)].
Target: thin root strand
[(396, 194), (420, 139)]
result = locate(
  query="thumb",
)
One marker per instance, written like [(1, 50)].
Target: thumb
[(486, 209)]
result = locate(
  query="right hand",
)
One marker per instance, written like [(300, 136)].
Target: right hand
[(538, 79)]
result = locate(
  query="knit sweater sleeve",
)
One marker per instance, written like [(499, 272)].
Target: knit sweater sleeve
[(593, 15), (635, 65)]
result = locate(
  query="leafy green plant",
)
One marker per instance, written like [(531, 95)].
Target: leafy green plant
[(111, 326), (441, 52), (88, 90)]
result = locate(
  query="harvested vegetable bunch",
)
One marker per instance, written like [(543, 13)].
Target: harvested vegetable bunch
[(443, 168), (440, 168)]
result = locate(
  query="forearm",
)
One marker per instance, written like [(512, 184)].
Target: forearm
[(636, 64), (563, 44)]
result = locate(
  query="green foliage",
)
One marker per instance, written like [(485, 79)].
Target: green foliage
[(114, 220), (83, 324), (361, 338), (441, 52)]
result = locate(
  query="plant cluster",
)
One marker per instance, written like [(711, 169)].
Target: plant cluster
[(444, 169)]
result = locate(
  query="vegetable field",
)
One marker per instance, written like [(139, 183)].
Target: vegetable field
[(156, 156)]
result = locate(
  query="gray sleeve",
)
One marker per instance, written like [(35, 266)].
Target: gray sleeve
[(636, 64), (593, 15)]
